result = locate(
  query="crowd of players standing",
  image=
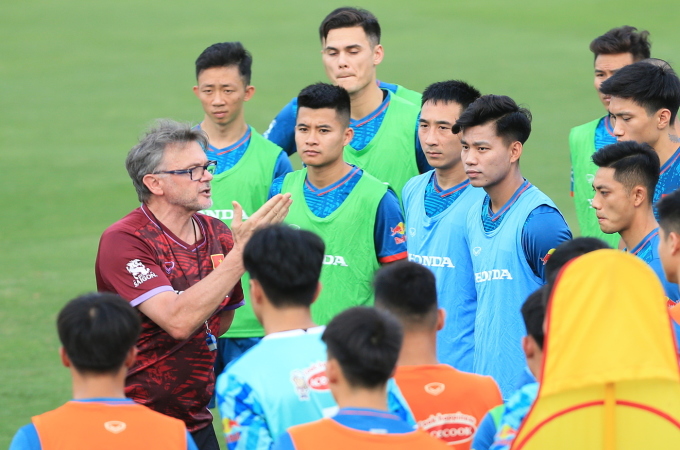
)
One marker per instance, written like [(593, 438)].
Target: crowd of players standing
[(389, 175)]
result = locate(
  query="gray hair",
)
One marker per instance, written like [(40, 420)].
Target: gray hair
[(145, 157)]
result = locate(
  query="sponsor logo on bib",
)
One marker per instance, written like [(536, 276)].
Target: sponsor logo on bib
[(494, 274), (455, 428), (312, 378)]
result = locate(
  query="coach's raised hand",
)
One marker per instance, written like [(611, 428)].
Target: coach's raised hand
[(272, 212)]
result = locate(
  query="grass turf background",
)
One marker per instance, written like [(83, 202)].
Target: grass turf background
[(80, 81)]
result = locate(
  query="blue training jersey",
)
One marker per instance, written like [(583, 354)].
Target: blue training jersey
[(648, 251), (669, 178), (504, 279), (230, 155), (390, 242), (437, 241), (278, 383)]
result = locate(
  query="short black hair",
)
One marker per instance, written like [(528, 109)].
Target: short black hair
[(347, 17), (450, 91), (634, 164), (512, 122), (668, 211), (407, 290), (366, 343), (226, 54), (286, 262), (625, 39), (97, 331), (324, 95), (533, 313), (652, 86), (569, 250)]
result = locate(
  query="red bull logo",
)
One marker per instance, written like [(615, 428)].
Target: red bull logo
[(399, 229)]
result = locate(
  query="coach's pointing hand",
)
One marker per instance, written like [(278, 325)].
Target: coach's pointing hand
[(272, 212)]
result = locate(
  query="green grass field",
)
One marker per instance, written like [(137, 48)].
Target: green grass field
[(80, 81)]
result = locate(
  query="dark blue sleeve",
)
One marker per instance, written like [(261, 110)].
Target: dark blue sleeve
[(421, 160), (276, 187), (283, 166), (544, 230), (26, 439), (485, 433), (390, 231), (284, 442), (282, 129)]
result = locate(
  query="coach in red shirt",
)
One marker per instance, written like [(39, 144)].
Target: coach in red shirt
[(181, 270)]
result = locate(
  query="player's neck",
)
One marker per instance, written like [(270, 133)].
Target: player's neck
[(98, 385), (348, 397), (323, 176), (221, 136), (502, 191), (177, 220), (667, 145), (643, 224), (453, 176), (418, 349), (365, 101), (275, 320)]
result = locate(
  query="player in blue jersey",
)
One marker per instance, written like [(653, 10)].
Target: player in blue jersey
[(358, 217), (246, 162), (624, 185), (351, 52), (613, 50), (510, 232), (435, 206), (644, 103), (668, 209), (281, 381), (363, 348)]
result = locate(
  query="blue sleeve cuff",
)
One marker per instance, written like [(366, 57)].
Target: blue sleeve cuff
[(276, 186), (543, 231), (284, 442), (283, 166), (390, 230), (281, 130), (26, 439)]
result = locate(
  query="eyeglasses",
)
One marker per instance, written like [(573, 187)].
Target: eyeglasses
[(195, 173)]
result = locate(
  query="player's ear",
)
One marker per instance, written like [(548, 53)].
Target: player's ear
[(250, 91), (441, 318), (64, 357), (152, 183), (349, 135), (256, 293), (639, 194), (131, 357), (663, 118), (378, 54), (675, 242), (196, 91), (516, 149), (528, 346)]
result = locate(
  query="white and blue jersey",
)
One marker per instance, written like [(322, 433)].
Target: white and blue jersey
[(281, 131), (390, 242), (648, 251), (230, 155), (278, 383), (509, 250), (435, 226), (669, 178)]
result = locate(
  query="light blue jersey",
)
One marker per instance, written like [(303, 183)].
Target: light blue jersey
[(669, 178), (438, 242), (278, 383), (648, 251), (503, 279)]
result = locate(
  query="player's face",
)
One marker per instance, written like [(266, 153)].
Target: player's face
[(605, 67), (486, 157), (222, 92), (350, 59), (442, 148), (632, 123), (320, 136), (665, 254), (613, 202), (180, 190)]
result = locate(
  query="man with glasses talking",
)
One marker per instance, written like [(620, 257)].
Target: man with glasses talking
[(181, 270)]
